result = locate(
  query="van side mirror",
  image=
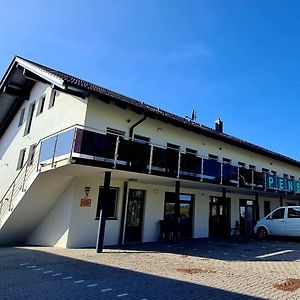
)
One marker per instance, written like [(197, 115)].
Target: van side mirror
[(269, 217)]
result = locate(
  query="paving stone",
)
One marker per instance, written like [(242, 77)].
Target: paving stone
[(195, 269)]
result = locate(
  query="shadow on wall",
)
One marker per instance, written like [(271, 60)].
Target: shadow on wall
[(34, 274)]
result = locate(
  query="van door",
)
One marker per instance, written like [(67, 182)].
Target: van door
[(278, 222), (293, 221)]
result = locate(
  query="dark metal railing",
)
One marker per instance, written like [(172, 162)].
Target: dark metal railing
[(91, 146)]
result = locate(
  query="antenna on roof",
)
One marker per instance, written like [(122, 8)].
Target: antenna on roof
[(193, 117)]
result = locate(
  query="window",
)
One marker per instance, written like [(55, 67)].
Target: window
[(252, 167), (52, 98), (111, 212), (21, 159), (265, 170), (115, 131), (211, 156), (226, 160), (173, 146), (294, 213), (29, 118), (191, 151), (285, 175), (21, 119), (274, 172), (278, 214), (141, 139), (241, 164), (31, 154), (292, 177), (41, 105)]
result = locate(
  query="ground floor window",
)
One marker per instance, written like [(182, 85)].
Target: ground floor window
[(111, 202)]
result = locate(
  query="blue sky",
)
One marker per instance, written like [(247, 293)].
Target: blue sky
[(238, 60)]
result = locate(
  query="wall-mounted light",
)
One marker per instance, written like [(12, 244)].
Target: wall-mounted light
[(87, 190)]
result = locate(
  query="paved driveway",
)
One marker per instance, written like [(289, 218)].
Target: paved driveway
[(198, 269)]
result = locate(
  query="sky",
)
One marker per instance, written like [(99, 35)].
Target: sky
[(236, 59)]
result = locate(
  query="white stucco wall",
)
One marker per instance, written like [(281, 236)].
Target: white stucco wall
[(67, 111), (54, 228), (101, 115)]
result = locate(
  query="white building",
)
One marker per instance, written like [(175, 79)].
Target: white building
[(59, 135)]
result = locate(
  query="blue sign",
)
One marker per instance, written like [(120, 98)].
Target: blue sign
[(282, 184)]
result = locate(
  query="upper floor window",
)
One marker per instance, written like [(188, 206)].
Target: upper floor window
[(265, 170), (241, 164), (212, 156), (252, 167), (52, 98), (21, 159), (29, 118), (173, 146), (41, 105), (115, 132), (31, 154), (274, 172), (226, 160), (141, 139), (21, 119), (191, 151)]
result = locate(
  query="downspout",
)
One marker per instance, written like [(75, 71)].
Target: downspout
[(134, 125)]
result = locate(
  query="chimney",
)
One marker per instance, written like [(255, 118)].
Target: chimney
[(219, 126)]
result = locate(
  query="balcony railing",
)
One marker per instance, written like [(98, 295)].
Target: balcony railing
[(92, 147)]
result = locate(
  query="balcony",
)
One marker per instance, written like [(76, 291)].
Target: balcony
[(91, 147)]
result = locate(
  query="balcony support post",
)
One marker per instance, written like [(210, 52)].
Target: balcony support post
[(177, 209), (116, 151), (102, 202), (257, 206), (222, 165), (179, 162), (151, 158)]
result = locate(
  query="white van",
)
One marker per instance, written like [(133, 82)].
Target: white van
[(283, 221)]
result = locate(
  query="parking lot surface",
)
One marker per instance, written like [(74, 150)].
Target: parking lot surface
[(194, 269)]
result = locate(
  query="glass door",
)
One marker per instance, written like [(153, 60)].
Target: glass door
[(219, 216), (185, 219), (248, 216), (135, 215)]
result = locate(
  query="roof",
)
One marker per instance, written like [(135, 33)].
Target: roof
[(23, 72)]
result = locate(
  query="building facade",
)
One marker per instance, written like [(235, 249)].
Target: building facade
[(166, 176)]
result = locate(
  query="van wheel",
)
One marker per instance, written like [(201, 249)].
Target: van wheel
[(262, 233)]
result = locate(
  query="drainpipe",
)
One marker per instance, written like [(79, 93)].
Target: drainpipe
[(136, 124)]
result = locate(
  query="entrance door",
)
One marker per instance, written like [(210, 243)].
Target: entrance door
[(185, 213), (248, 216), (219, 216), (135, 214)]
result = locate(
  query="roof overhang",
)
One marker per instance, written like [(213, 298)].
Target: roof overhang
[(21, 75)]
